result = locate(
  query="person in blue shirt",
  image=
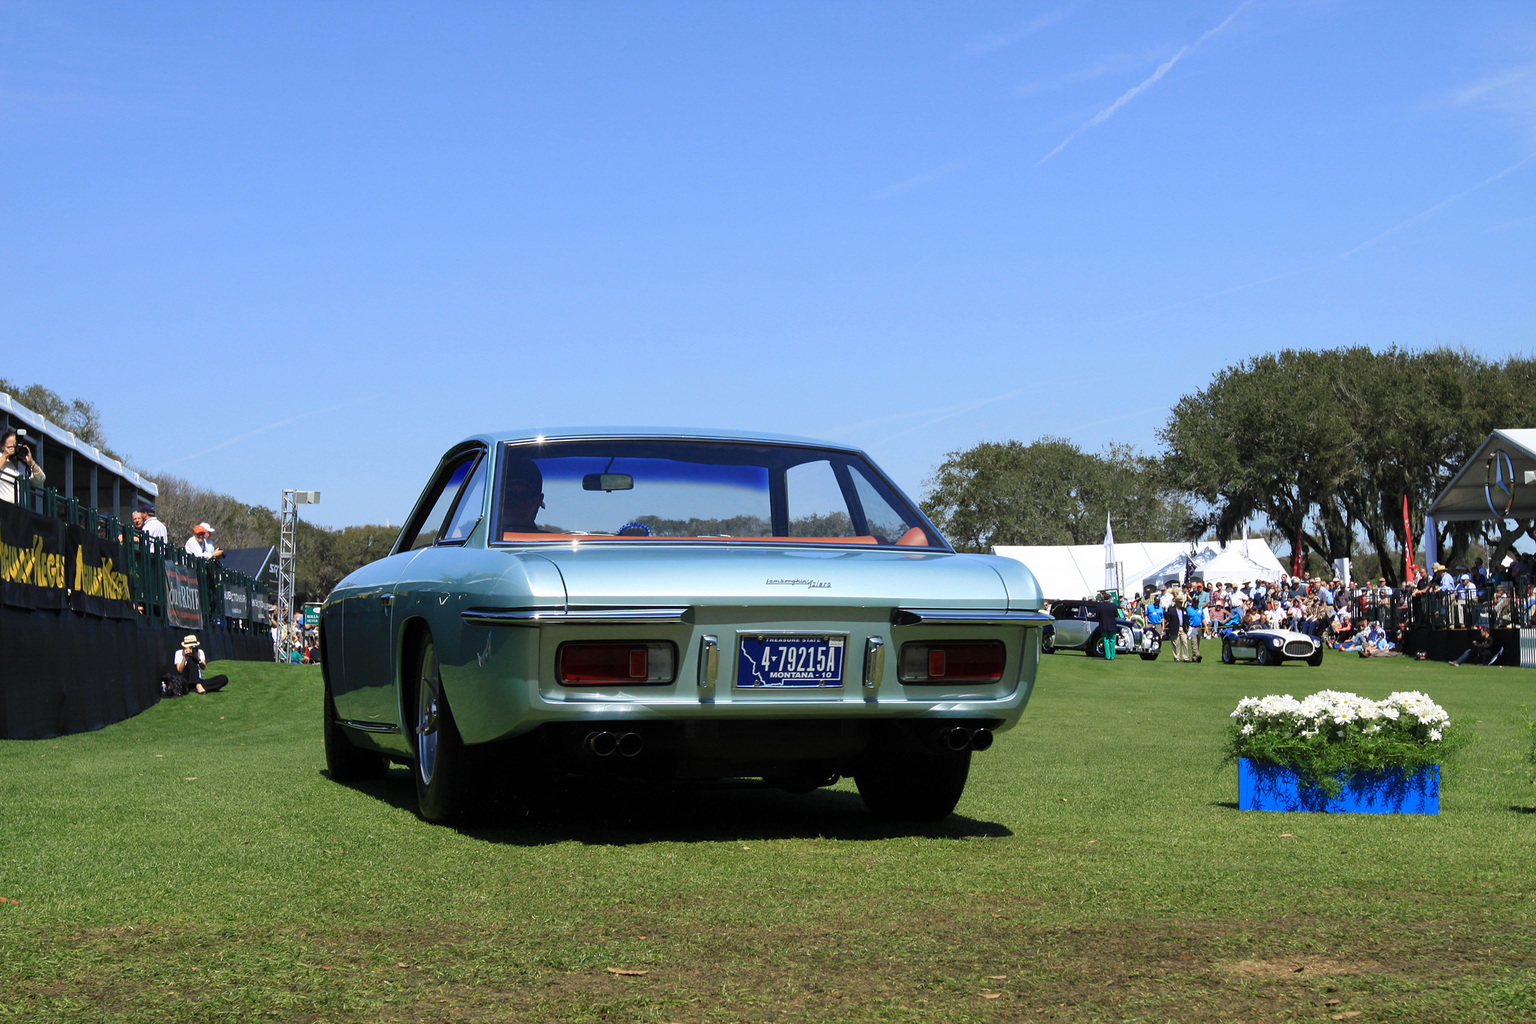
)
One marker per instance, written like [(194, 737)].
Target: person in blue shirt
[(1196, 616), (1155, 616)]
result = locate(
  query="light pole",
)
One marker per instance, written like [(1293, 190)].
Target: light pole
[(287, 634)]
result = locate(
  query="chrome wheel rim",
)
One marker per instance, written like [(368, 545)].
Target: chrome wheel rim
[(427, 690)]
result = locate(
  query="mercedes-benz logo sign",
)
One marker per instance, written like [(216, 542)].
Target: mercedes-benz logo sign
[(1499, 483)]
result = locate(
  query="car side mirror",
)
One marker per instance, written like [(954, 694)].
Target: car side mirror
[(607, 482)]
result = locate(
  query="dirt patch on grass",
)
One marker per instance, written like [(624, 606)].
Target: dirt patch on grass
[(1302, 966)]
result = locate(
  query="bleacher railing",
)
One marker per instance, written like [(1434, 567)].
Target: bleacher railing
[(145, 561)]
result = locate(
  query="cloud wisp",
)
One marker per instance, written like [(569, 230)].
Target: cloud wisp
[(1000, 40), (1425, 215), (259, 431), (1416, 219), (1137, 90), (918, 180)]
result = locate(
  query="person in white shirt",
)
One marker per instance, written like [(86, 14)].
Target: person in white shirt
[(198, 544), (13, 456), (186, 675), (152, 528)]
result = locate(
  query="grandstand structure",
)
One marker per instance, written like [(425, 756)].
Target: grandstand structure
[(76, 469)]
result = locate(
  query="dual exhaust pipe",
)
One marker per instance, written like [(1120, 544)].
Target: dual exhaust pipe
[(611, 744), (958, 738)]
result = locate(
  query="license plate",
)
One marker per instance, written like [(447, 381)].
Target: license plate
[(786, 662)]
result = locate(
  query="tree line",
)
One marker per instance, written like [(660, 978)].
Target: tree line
[(1324, 444)]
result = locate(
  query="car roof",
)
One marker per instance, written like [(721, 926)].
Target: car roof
[(665, 433)]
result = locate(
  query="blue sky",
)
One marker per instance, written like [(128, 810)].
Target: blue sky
[(312, 245)]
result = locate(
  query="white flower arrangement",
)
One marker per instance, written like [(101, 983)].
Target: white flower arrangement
[(1330, 733), (1406, 713)]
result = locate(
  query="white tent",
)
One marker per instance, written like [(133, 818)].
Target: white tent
[(1232, 566), (1070, 572)]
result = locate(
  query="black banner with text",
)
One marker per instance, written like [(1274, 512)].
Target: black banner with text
[(34, 571), (98, 584)]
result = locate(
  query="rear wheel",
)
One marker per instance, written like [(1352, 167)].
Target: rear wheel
[(345, 762), (914, 787), (1226, 653), (443, 772)]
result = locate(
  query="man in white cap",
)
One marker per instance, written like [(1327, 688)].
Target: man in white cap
[(186, 674), (200, 545)]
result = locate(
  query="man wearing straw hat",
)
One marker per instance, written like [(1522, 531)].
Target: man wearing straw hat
[(187, 674)]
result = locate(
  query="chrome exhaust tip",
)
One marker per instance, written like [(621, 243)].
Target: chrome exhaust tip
[(630, 744), (600, 744)]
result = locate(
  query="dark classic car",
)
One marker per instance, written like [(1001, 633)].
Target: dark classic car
[(673, 605), (1075, 627), (1271, 647)]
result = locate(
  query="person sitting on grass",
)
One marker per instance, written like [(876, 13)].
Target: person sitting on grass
[(186, 674), (1481, 652), (1376, 644)]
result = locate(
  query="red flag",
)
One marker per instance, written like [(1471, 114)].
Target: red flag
[(1298, 563), (1407, 543)]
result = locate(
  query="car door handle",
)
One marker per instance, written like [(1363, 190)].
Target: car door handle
[(385, 599)]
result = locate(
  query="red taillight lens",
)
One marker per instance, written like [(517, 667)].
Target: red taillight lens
[(607, 664), (956, 661)]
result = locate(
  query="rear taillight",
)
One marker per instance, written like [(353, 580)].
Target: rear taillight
[(621, 663), (955, 661)]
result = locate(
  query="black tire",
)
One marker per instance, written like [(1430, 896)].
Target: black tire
[(1262, 655), (1316, 659), (913, 787), (1048, 642), (445, 776), (345, 762), (1152, 656), (1095, 646), (1227, 657)]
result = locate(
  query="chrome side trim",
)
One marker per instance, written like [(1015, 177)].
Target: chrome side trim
[(966, 617), (578, 617), (388, 727)]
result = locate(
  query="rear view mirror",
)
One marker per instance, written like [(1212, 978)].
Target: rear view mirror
[(607, 482)]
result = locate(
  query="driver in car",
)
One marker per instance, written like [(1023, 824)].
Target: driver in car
[(522, 495)]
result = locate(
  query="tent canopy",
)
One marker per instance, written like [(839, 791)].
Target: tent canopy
[(1070, 572), (1492, 483)]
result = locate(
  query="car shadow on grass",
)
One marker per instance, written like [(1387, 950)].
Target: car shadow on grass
[(604, 813)]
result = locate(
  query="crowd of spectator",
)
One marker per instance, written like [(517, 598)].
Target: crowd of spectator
[(1368, 617)]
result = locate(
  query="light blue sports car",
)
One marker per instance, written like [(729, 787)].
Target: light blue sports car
[(673, 605)]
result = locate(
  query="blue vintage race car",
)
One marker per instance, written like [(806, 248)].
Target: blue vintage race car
[(673, 605)]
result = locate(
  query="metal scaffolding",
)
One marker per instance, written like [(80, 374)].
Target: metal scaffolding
[(289, 630)]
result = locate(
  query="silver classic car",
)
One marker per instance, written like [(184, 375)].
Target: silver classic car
[(1076, 627), (673, 605), (1270, 647)]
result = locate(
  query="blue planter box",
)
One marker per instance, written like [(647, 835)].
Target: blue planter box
[(1267, 787)]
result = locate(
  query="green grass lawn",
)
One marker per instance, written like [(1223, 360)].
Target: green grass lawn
[(196, 864)]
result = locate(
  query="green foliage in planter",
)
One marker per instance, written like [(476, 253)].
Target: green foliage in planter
[(1328, 737)]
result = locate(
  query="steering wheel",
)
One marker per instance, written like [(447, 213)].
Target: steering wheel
[(634, 530)]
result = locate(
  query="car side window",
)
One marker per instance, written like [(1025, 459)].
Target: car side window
[(816, 504), (470, 509), (440, 495)]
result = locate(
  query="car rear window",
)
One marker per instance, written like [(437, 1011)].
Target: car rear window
[(647, 490)]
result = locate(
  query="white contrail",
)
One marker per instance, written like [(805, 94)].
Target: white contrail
[(1419, 218), (1134, 91), (260, 430)]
